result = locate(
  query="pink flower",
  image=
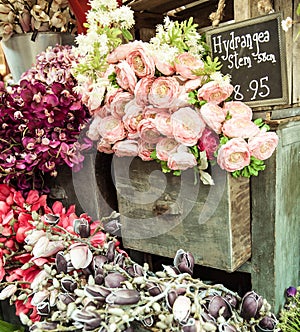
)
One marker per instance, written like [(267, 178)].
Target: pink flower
[(263, 145), (142, 89), (112, 129), (93, 132), (194, 84), (166, 147), (187, 126), (213, 115), (121, 52), (141, 63), (127, 148), (234, 155), (148, 131), (165, 68), (238, 109), (125, 76), (239, 127), (209, 142), (163, 92), (185, 63), (81, 256), (181, 161), (145, 149), (98, 239), (214, 92), (163, 124), (133, 115), (117, 106), (104, 146)]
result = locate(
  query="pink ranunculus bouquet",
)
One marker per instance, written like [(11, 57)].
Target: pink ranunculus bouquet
[(166, 100)]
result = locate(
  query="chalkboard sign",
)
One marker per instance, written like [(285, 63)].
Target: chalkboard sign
[(252, 52)]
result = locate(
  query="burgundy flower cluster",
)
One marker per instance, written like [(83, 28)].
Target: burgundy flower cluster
[(41, 119)]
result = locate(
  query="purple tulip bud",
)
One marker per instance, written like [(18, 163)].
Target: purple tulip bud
[(170, 298), (114, 280), (45, 326), (153, 288), (219, 306), (98, 261), (81, 227), (251, 304), (97, 292), (148, 321), (123, 297), (68, 284), (61, 262), (184, 261), (92, 324), (110, 255), (267, 324), (135, 270), (291, 291), (43, 308), (52, 219), (112, 227), (66, 298)]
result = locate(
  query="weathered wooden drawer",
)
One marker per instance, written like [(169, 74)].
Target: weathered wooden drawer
[(161, 213)]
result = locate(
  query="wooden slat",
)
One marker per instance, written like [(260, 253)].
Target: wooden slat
[(296, 58), (158, 6)]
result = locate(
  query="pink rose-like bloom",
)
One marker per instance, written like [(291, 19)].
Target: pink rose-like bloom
[(163, 124), (181, 161), (263, 145), (187, 126), (148, 131), (214, 92), (185, 63), (117, 106), (213, 115), (125, 76), (121, 52), (141, 63), (142, 89), (126, 148), (238, 109), (112, 129), (104, 146), (165, 147), (234, 155), (133, 115), (145, 149), (165, 68), (194, 84), (209, 142), (240, 127), (163, 92)]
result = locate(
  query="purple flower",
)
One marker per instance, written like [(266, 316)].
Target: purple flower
[(291, 291)]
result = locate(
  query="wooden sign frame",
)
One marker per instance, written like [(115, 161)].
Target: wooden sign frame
[(245, 50)]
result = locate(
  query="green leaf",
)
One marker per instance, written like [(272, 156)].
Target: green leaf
[(7, 327), (127, 35), (298, 10)]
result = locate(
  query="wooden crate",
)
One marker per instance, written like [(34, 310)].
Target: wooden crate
[(161, 213)]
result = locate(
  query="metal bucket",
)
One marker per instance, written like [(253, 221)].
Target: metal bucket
[(21, 51)]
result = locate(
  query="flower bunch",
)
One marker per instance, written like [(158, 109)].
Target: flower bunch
[(41, 119), (22, 16), (289, 316), (166, 100), (65, 272)]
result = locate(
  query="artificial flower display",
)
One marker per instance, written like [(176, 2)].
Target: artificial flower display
[(289, 316), (64, 272), (166, 99), (25, 16), (41, 119)]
